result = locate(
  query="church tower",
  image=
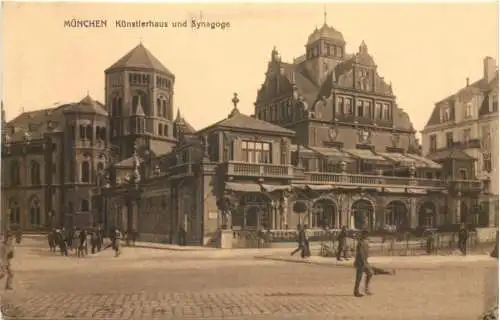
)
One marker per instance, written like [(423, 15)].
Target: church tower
[(139, 99)]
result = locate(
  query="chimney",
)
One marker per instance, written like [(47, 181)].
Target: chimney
[(467, 81), (490, 69)]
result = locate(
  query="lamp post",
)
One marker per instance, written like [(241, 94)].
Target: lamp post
[(134, 180)]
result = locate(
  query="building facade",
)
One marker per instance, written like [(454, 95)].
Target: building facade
[(466, 123), (327, 146)]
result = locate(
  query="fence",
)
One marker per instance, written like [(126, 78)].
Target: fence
[(398, 244)]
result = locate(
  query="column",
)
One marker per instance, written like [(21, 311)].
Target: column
[(284, 211), (413, 213), (458, 209)]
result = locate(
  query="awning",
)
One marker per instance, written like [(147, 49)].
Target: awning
[(395, 190), (299, 186), (243, 187), (271, 188), (332, 153), (320, 187), (424, 162), (399, 158), (416, 191), (365, 154)]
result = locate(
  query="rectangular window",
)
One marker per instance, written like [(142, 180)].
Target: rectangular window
[(378, 111), (487, 162), (348, 106), (385, 112), (495, 103), (449, 139), (367, 105), (359, 107), (463, 174), (256, 152), (468, 110), (446, 114), (340, 103), (466, 135), (432, 143)]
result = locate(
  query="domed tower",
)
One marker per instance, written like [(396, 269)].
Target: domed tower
[(139, 99), (325, 48)]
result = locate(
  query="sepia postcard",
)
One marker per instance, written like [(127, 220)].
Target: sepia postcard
[(239, 161)]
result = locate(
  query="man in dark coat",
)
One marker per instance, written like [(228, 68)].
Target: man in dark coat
[(301, 237), (361, 264), (494, 253), (463, 235), (342, 245), (62, 241)]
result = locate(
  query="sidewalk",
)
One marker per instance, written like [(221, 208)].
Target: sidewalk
[(398, 262)]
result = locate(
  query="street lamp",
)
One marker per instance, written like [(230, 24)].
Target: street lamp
[(133, 180)]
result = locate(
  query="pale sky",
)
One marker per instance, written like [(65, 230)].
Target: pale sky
[(426, 50)]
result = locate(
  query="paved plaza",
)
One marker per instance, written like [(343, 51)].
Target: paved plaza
[(163, 284)]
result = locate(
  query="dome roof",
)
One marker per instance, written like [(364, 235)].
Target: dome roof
[(325, 32), (86, 105)]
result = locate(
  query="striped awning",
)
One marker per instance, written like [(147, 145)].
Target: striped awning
[(366, 154), (243, 187), (400, 158), (416, 191), (271, 188), (395, 190), (424, 162), (320, 187)]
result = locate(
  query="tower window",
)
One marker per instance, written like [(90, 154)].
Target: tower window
[(82, 132), (35, 173), (160, 129), (85, 171)]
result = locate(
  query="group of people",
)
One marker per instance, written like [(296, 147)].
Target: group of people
[(78, 240)]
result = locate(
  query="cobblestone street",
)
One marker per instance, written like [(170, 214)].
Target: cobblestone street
[(157, 284)]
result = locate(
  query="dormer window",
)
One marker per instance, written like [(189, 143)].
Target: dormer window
[(446, 114), (468, 110)]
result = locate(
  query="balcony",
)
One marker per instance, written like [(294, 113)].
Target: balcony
[(244, 169), (370, 180), (466, 186)]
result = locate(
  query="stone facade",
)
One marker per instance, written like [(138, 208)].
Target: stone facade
[(328, 146), (468, 121)]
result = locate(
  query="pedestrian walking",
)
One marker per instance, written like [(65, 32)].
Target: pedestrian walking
[(342, 244), (117, 246), (51, 238), (81, 252), (7, 254), (463, 235), (301, 235), (62, 242), (94, 240), (363, 266)]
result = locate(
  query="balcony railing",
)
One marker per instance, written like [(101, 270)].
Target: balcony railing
[(466, 185), (370, 180), (233, 168)]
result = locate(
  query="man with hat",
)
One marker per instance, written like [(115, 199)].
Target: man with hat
[(362, 266), (7, 253)]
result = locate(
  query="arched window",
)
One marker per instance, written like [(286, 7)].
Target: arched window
[(35, 173), (141, 97), (15, 173), (165, 130), (85, 171), (164, 107), (35, 216), (14, 212), (160, 129), (84, 205), (158, 107), (89, 132)]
